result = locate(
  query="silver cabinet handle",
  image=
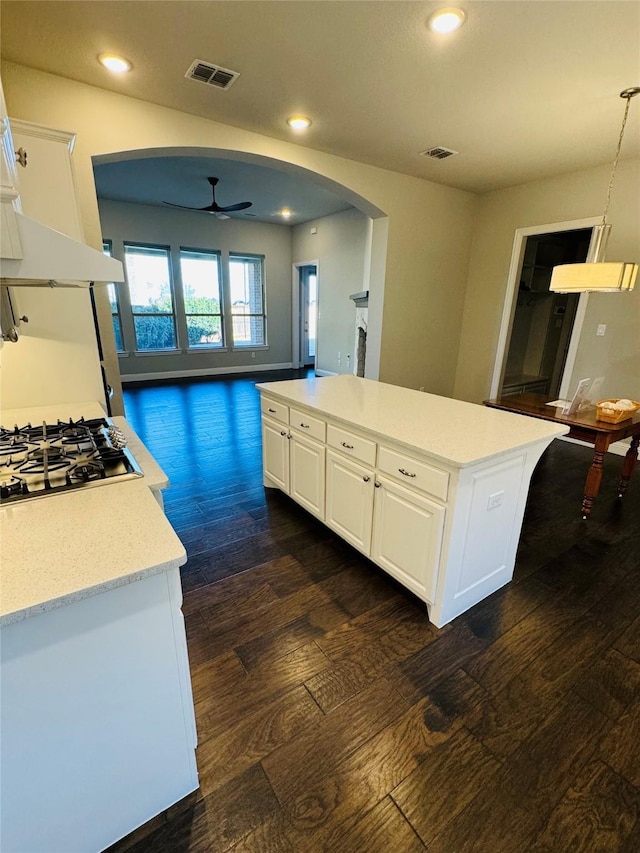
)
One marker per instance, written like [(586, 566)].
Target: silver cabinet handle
[(282, 432), (366, 479), (289, 436), (377, 485), (348, 446), (304, 426), (273, 411), (406, 473)]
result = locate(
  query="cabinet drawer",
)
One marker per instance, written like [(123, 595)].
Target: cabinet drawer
[(307, 425), (352, 444), (412, 472), (277, 411)]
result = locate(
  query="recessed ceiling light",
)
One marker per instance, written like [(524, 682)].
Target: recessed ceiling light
[(446, 20), (117, 64), (299, 122), (285, 213)]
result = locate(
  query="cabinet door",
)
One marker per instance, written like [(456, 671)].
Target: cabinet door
[(407, 537), (349, 506), (307, 474), (275, 454)]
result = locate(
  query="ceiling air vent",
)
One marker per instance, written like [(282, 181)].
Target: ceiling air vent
[(213, 75), (438, 153)]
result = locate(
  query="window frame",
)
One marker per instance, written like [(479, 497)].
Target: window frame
[(107, 249), (130, 244), (210, 347), (243, 347)]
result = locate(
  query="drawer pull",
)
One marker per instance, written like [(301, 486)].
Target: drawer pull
[(406, 473), (348, 446), (304, 426), (273, 411), (366, 479)]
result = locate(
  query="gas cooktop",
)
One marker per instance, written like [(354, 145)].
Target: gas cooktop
[(49, 458)]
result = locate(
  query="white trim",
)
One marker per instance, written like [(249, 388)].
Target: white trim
[(296, 320), (618, 447), (510, 299), (574, 342), (202, 371), (39, 131), (325, 372)]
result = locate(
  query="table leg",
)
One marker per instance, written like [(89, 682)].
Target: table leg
[(628, 465), (594, 475)]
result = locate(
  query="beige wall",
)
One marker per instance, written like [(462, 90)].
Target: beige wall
[(146, 224), (429, 225), (338, 246), (575, 196)]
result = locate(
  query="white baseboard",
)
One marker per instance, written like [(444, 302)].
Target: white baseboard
[(325, 372), (201, 371), (618, 447)]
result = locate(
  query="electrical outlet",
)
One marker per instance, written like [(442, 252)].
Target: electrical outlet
[(253, 355), (495, 500), (602, 328), (348, 359), (339, 359), (421, 388)]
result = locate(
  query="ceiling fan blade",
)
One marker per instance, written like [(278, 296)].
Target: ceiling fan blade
[(186, 207), (214, 207), (241, 205)]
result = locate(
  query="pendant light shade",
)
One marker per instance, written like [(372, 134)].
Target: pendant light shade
[(601, 277), (595, 274)]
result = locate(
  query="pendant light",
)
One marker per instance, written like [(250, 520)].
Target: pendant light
[(595, 275)]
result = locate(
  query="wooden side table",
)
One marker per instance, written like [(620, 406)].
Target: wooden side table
[(584, 427)]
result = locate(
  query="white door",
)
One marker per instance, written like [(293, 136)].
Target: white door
[(308, 313), (407, 537), (349, 507), (307, 474), (275, 453)]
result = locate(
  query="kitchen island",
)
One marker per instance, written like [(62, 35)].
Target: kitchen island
[(98, 728), (433, 490)]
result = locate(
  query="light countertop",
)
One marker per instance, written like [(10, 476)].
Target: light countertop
[(63, 547), (451, 431), (60, 548)]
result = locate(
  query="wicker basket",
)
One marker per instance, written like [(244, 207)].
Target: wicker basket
[(615, 417)]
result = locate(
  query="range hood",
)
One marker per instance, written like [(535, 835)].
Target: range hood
[(52, 259)]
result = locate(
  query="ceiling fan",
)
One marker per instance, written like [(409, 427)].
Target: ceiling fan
[(214, 207)]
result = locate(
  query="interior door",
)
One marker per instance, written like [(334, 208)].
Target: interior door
[(308, 313)]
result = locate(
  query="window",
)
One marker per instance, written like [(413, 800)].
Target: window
[(247, 300), (200, 273), (114, 301), (149, 278)]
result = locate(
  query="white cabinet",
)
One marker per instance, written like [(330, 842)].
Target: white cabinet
[(9, 236), (293, 462), (432, 490), (349, 509), (306, 473), (275, 453), (407, 536)]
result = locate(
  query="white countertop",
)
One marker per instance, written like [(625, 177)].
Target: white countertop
[(59, 548), (450, 431), (154, 476)]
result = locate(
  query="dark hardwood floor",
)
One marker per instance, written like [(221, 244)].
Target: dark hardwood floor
[(332, 716)]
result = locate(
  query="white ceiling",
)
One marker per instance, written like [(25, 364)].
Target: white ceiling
[(526, 89)]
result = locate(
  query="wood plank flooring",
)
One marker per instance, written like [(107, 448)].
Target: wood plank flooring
[(332, 716)]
